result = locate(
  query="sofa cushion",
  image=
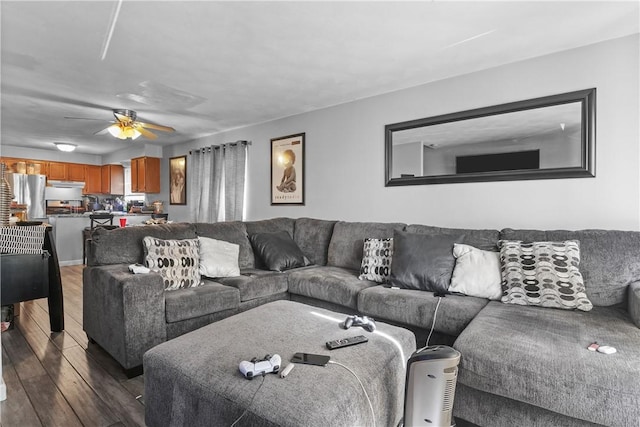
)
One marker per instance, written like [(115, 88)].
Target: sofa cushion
[(423, 262), (277, 251), (609, 259), (124, 245), (347, 241), (479, 238), (476, 273), (218, 258), (232, 232), (376, 260), (189, 303), (271, 226), (545, 274), (255, 283), (312, 237), (416, 308), (177, 261), (333, 284), (540, 357)]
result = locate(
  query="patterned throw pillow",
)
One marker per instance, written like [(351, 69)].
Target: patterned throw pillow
[(543, 274), (376, 260), (177, 261)]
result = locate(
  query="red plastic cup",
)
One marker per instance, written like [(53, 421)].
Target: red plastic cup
[(123, 222)]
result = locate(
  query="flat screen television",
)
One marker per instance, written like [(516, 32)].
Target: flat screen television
[(516, 160)]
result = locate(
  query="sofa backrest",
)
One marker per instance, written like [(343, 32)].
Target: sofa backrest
[(232, 232), (124, 245), (313, 236), (609, 259), (482, 239), (345, 248)]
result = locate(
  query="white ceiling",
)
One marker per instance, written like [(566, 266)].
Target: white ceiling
[(203, 67)]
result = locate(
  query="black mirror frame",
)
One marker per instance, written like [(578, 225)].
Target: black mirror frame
[(587, 98)]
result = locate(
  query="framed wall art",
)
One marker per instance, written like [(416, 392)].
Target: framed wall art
[(287, 170), (178, 180)]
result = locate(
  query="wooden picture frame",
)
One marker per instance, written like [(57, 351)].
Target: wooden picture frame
[(178, 180), (287, 170)]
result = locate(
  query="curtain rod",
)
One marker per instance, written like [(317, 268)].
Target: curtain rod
[(203, 149)]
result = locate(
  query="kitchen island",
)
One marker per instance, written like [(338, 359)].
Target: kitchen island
[(68, 231)]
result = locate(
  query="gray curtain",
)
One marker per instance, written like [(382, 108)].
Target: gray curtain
[(216, 183)]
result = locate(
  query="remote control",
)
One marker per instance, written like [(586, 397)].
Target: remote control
[(346, 342)]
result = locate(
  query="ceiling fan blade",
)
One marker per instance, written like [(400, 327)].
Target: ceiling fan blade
[(156, 127), (146, 133), (85, 118), (103, 131)]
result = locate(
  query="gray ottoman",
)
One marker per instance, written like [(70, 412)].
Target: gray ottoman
[(193, 380)]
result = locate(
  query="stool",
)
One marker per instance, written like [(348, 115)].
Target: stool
[(97, 220)]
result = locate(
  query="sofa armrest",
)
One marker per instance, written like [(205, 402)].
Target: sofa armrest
[(634, 302), (123, 312)]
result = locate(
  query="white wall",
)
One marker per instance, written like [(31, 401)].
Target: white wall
[(345, 151)]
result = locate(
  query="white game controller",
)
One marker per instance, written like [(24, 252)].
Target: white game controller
[(270, 364)]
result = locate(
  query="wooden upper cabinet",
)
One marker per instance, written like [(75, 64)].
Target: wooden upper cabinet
[(58, 171), (92, 180), (145, 175), (112, 179), (76, 172)]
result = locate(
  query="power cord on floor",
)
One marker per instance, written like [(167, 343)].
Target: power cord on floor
[(373, 415), (250, 403)]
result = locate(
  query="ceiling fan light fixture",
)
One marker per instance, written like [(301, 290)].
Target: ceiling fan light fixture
[(64, 146), (121, 131)]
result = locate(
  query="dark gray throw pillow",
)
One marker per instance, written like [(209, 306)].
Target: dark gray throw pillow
[(423, 262), (277, 251)]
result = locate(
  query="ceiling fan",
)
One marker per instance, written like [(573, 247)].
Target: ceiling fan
[(127, 127)]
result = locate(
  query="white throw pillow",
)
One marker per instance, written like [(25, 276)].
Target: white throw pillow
[(477, 272), (218, 258)]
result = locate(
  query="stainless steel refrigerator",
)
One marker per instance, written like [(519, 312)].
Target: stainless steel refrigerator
[(29, 190)]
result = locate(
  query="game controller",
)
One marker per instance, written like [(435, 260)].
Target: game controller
[(270, 364), (365, 322)]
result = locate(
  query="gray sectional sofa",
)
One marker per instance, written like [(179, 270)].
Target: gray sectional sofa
[(520, 365)]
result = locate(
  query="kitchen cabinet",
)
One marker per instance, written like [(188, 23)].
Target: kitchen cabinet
[(27, 166), (57, 171), (92, 180), (145, 175), (75, 172), (112, 179), (65, 171)]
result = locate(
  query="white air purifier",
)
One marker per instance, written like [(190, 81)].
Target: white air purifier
[(432, 373)]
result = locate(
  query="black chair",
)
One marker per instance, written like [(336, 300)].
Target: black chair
[(97, 220), (101, 219), (164, 216)]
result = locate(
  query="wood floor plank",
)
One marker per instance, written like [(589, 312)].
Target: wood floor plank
[(72, 334), (124, 405), (17, 409), (51, 407), (135, 386), (88, 407), (47, 400), (24, 361)]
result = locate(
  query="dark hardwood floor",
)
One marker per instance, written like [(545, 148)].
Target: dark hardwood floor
[(59, 379)]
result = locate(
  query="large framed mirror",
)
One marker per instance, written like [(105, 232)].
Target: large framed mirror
[(542, 138)]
